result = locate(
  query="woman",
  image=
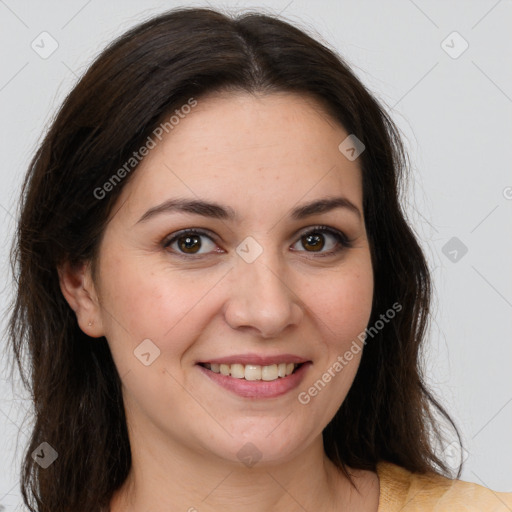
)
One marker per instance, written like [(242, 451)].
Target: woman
[(221, 299)]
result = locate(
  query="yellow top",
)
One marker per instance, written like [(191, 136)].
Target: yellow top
[(401, 490)]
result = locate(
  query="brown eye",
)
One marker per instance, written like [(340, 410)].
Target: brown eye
[(323, 237), (189, 242), (315, 241)]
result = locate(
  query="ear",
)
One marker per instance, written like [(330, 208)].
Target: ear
[(78, 289)]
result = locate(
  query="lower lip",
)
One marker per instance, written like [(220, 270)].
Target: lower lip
[(258, 388)]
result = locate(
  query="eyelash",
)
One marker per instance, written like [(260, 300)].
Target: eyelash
[(339, 236)]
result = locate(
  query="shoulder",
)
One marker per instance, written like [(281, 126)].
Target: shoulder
[(401, 490)]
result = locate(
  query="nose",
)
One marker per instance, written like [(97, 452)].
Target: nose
[(261, 299)]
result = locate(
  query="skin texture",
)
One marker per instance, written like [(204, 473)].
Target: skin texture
[(261, 155)]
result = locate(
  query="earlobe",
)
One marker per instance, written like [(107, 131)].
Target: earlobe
[(78, 289)]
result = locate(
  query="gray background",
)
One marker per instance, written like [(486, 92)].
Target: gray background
[(454, 110)]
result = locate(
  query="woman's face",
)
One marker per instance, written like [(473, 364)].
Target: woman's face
[(259, 286)]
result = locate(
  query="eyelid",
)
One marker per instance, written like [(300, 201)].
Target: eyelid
[(342, 239), (170, 239), (322, 228), (339, 236)]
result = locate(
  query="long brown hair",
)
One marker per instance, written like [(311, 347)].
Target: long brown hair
[(136, 81)]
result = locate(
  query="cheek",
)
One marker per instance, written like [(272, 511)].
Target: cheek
[(133, 296), (148, 301), (341, 314), (343, 306)]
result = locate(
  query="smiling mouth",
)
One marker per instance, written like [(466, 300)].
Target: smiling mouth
[(253, 372)]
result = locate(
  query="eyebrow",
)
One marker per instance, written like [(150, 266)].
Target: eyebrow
[(217, 211)]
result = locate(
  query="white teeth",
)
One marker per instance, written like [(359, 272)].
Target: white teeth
[(269, 372), (253, 371), (237, 371)]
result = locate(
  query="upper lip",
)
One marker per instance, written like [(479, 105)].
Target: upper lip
[(256, 359)]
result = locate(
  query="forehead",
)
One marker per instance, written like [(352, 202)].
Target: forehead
[(250, 150)]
